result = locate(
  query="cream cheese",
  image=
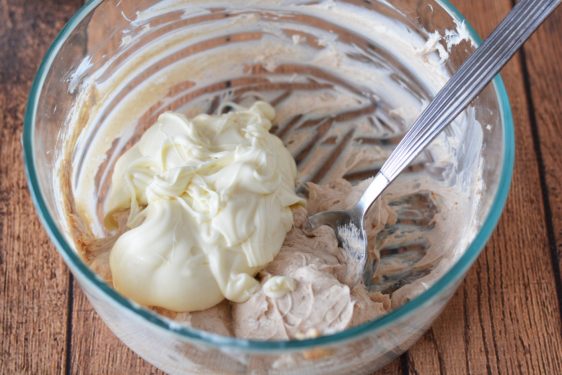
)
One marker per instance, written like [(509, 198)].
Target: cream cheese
[(209, 202)]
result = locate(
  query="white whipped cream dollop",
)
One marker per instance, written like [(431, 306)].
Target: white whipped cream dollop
[(209, 201)]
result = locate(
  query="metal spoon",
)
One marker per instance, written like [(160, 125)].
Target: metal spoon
[(479, 69)]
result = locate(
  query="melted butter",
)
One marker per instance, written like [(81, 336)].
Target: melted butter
[(209, 202)]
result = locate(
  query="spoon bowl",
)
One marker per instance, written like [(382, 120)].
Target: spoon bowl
[(350, 233)]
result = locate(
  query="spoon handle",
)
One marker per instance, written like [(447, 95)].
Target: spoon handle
[(479, 69)]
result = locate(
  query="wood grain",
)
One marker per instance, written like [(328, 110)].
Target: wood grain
[(95, 350), (33, 301), (494, 324), (543, 81), (505, 317)]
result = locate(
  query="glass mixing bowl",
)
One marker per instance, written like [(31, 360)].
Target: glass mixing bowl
[(116, 65)]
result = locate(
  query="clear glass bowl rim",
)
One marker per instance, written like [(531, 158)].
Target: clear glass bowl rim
[(71, 257)]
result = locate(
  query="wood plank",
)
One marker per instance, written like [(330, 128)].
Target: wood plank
[(504, 318), (393, 368), (542, 55), (33, 301)]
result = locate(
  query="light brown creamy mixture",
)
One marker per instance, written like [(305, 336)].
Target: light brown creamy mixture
[(323, 300)]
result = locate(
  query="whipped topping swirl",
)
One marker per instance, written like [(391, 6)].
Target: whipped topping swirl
[(209, 202)]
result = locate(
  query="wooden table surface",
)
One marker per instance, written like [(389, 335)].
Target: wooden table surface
[(504, 319)]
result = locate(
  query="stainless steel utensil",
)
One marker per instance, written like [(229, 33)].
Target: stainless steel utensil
[(479, 69)]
